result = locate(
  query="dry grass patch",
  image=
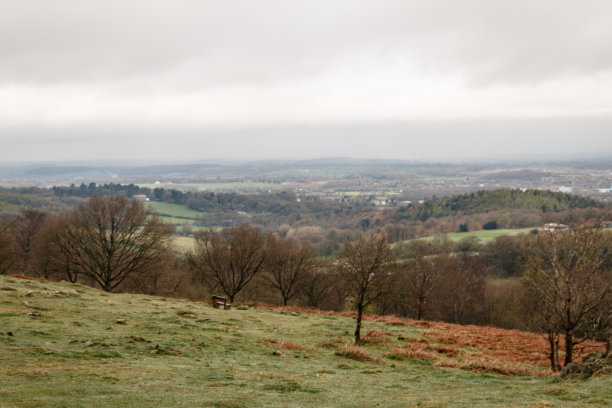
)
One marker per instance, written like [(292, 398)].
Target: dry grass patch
[(332, 343), (357, 353), (287, 345), (446, 351), (479, 365), (376, 337), (416, 354)]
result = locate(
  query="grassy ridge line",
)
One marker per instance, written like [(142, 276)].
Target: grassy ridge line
[(483, 235), (120, 350)]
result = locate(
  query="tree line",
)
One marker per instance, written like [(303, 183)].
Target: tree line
[(503, 208), (559, 284)]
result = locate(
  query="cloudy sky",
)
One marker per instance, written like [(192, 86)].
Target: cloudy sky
[(187, 80)]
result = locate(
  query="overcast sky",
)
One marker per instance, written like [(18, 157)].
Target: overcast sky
[(186, 80)]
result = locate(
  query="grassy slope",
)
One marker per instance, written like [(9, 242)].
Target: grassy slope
[(484, 235), (70, 351), (174, 210)]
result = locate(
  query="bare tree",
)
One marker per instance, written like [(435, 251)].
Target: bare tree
[(363, 265), (316, 286), (570, 275), (112, 238), (229, 259), (54, 252), (28, 227), (7, 246), (460, 292), (422, 276), (286, 264)]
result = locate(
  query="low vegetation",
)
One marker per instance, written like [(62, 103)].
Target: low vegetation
[(69, 345)]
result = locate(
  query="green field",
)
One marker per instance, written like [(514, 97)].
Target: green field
[(94, 349), (483, 235), (175, 211)]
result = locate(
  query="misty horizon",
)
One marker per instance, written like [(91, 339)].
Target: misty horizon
[(195, 80)]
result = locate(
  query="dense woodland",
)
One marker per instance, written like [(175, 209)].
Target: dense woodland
[(98, 237)]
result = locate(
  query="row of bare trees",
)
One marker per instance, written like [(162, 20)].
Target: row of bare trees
[(113, 243), (229, 260)]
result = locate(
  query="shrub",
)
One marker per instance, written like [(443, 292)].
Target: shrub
[(491, 225)]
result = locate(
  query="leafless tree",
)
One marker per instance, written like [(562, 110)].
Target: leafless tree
[(569, 273), (363, 265), (460, 292), (422, 276), (112, 238), (7, 246), (316, 286), (27, 231), (230, 258), (286, 264)]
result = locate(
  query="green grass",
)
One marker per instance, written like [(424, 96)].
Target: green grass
[(118, 350), (174, 211), (484, 235)]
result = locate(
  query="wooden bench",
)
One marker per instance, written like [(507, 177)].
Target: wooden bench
[(219, 301)]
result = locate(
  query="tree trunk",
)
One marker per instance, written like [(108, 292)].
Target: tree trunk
[(569, 347), (552, 356), (358, 326), (557, 338)]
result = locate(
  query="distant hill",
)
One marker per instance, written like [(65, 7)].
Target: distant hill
[(493, 200)]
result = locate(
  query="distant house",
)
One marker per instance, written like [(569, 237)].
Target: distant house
[(140, 197), (554, 227), (605, 224)]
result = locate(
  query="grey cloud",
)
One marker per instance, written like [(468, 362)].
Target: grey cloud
[(218, 43), (429, 140)]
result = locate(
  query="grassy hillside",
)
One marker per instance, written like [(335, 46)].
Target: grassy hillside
[(483, 235), (89, 348), (176, 212)]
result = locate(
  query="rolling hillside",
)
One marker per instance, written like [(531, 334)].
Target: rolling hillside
[(72, 346)]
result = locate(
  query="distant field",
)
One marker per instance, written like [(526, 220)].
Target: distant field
[(484, 235), (94, 349), (184, 243), (237, 186), (174, 210)]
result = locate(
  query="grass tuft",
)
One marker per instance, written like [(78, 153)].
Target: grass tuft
[(357, 353)]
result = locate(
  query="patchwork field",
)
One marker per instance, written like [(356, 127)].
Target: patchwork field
[(68, 345)]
